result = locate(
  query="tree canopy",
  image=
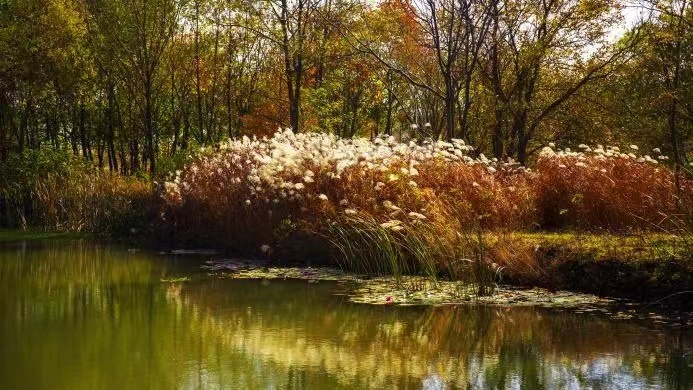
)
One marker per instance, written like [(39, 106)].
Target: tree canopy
[(128, 84)]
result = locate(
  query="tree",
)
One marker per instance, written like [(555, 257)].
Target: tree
[(529, 41), (456, 30), (137, 32)]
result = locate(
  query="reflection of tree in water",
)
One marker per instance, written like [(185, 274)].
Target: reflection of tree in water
[(97, 317), (482, 346)]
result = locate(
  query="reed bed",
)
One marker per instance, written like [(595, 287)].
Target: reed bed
[(608, 189), (384, 206)]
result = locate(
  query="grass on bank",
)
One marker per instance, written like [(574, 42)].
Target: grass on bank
[(632, 248), (7, 235), (646, 266)]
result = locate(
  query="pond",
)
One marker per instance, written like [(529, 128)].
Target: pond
[(81, 315)]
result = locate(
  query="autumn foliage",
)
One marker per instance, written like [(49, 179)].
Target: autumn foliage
[(605, 189)]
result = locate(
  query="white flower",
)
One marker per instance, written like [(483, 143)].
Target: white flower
[(350, 212), (322, 197), (343, 202), (415, 215), (656, 150), (391, 224), (634, 147), (390, 206), (552, 145), (248, 202), (547, 152), (299, 186)]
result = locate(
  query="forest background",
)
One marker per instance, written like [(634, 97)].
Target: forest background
[(131, 85)]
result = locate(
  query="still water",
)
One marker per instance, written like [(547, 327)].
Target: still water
[(79, 315)]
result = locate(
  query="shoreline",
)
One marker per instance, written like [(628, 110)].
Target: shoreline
[(423, 292), (654, 269), (646, 268)]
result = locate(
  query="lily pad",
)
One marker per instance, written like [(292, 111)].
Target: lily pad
[(424, 291)]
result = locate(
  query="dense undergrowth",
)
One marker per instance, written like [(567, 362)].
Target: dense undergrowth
[(56, 191), (372, 206)]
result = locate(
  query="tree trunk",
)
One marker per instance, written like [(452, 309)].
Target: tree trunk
[(175, 115), (497, 132), (149, 126), (229, 106), (450, 99), (23, 124), (212, 127), (520, 128), (123, 159), (83, 130), (390, 103), (466, 106), (198, 87), (296, 101)]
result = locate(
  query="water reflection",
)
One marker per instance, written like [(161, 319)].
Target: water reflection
[(82, 316)]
